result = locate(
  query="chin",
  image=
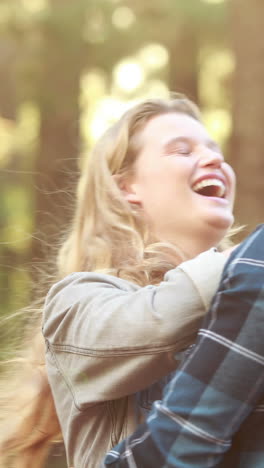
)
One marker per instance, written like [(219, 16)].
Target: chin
[(225, 222), (220, 219), (221, 227), (217, 227)]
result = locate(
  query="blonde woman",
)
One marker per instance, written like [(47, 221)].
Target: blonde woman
[(136, 275)]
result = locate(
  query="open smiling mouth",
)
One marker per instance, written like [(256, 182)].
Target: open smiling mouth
[(210, 188)]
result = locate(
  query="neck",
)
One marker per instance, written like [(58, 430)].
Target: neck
[(193, 246)]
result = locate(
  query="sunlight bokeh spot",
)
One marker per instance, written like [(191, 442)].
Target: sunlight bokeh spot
[(154, 56), (34, 6), (222, 61), (28, 127), (129, 75), (93, 87), (18, 225), (216, 67), (213, 1), (97, 127), (123, 17), (7, 135), (219, 124), (107, 112)]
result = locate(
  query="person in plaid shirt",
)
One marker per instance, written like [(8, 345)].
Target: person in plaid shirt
[(212, 413)]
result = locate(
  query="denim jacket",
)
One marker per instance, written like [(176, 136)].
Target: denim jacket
[(108, 340)]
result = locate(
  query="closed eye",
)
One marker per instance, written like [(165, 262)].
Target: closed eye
[(181, 148), (178, 146)]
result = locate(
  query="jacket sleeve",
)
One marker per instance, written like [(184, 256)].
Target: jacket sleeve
[(123, 335)]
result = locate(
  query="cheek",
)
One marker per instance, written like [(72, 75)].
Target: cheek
[(164, 182), (163, 192), (153, 191)]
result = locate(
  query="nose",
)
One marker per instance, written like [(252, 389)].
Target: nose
[(210, 157)]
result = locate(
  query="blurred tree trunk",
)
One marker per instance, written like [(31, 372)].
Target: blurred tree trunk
[(58, 99), (56, 170), (247, 145), (183, 69), (8, 97)]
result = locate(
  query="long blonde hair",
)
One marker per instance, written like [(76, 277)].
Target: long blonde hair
[(107, 234)]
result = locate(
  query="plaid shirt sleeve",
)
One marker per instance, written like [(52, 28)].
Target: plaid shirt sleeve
[(218, 386)]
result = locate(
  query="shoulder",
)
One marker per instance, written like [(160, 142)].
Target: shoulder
[(80, 286), (84, 282), (68, 298)]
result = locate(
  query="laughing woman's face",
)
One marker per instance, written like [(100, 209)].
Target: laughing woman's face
[(182, 183)]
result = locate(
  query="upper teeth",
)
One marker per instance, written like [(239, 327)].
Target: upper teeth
[(210, 182)]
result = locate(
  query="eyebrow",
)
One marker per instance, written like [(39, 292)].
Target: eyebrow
[(209, 143), (174, 140)]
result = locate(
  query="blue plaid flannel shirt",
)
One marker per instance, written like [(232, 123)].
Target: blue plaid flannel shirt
[(212, 412)]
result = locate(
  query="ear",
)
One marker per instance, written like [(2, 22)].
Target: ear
[(128, 189)]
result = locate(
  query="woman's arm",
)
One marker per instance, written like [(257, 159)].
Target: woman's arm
[(123, 335)]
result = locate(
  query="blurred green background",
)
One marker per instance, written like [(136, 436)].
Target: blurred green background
[(68, 68)]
